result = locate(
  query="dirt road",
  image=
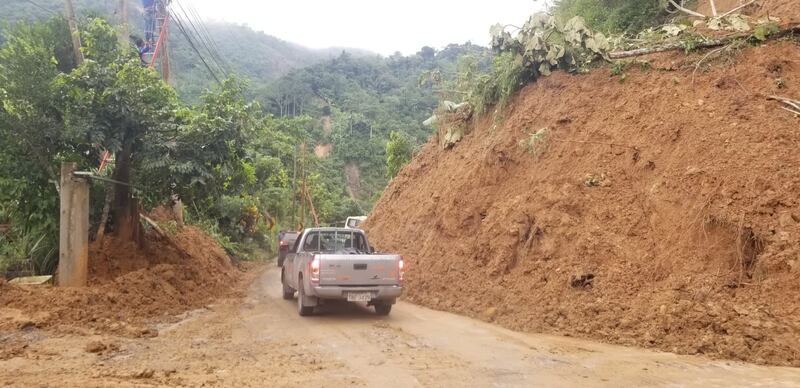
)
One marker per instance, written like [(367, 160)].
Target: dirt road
[(261, 341)]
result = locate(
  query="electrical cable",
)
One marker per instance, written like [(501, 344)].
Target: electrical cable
[(199, 37), (208, 35), (183, 31), (41, 7), (195, 42)]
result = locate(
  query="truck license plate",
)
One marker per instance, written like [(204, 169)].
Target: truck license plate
[(359, 296)]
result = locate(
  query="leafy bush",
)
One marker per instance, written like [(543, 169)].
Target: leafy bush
[(508, 74), (28, 252), (537, 142), (542, 45), (398, 153)]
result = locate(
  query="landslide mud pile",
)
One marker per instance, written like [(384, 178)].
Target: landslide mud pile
[(129, 286), (652, 210)]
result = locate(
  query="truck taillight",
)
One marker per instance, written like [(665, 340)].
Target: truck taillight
[(400, 271), (313, 270), (283, 243)]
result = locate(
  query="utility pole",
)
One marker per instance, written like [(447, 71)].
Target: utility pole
[(164, 13), (303, 188), (73, 30), (165, 55), (122, 16), (73, 252), (294, 189)]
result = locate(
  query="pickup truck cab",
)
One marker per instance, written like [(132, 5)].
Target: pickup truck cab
[(338, 263)]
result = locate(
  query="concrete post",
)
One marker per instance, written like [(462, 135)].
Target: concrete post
[(73, 257)]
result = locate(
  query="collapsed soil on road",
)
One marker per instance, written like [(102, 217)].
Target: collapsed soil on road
[(260, 340), (130, 286), (658, 209)]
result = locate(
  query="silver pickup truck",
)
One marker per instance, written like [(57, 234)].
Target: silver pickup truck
[(339, 263)]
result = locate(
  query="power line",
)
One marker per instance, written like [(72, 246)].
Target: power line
[(37, 5), (193, 15), (194, 47), (208, 35), (197, 34), (195, 43), (200, 38)]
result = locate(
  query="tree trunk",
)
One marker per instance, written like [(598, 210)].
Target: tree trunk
[(126, 210), (790, 29), (101, 230)]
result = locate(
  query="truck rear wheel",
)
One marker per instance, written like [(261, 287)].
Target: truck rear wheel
[(288, 292), (383, 308), (302, 309)]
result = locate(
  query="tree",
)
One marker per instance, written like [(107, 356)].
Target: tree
[(398, 153), (427, 53), (33, 141), (112, 102)]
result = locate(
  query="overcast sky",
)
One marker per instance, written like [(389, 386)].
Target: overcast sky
[(378, 25)]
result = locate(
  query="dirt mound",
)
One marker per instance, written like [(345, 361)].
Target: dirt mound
[(652, 210), (786, 10), (129, 285)]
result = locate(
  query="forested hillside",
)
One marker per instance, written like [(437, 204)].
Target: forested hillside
[(354, 99), (265, 111), (359, 102), (241, 50)]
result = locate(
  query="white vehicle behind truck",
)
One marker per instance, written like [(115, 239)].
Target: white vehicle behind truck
[(339, 264), (354, 222)]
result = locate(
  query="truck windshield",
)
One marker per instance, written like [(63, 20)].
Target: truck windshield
[(335, 242)]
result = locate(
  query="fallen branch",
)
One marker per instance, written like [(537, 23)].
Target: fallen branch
[(700, 62), (740, 86), (164, 235), (707, 44), (791, 110), (786, 100), (689, 11), (794, 105)]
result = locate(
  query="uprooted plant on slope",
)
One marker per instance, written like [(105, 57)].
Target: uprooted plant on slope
[(542, 45)]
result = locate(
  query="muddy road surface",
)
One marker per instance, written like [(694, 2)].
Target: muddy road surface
[(261, 341)]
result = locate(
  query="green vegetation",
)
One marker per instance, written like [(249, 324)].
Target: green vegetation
[(613, 16), (398, 153), (537, 142), (542, 45), (227, 150), (356, 103), (226, 159), (251, 55)]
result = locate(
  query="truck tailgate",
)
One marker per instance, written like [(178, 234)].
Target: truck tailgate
[(358, 270)]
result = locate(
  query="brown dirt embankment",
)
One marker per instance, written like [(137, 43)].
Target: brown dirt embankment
[(786, 10), (658, 211), (129, 287)]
